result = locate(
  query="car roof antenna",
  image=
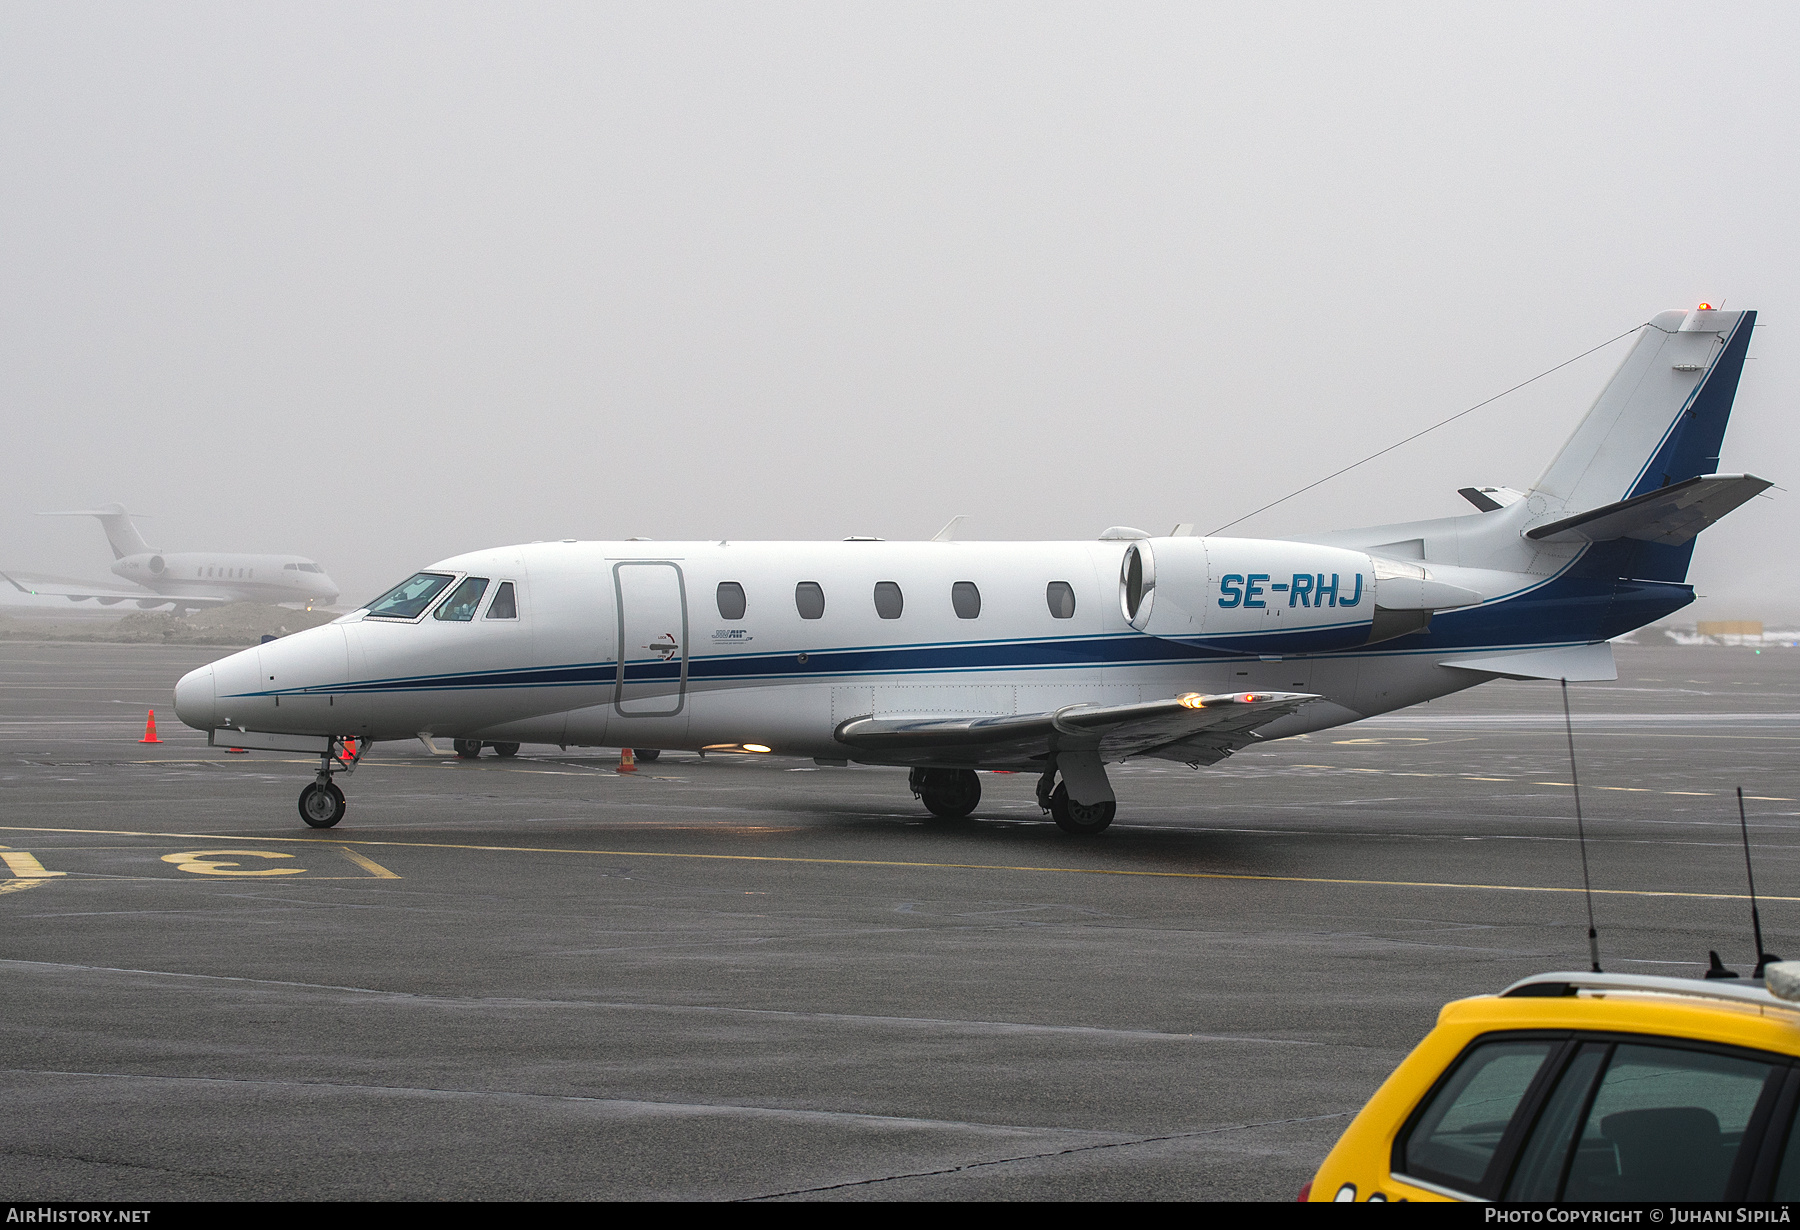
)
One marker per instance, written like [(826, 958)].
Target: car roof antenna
[(1587, 887), (1763, 957)]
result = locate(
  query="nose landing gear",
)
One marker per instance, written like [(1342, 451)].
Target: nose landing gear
[(322, 806), (322, 803)]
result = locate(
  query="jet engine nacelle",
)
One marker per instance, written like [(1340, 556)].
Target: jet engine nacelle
[(1263, 596)]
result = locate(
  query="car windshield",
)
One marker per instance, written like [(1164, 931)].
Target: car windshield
[(407, 599)]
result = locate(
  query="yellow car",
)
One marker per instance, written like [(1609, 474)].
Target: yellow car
[(1589, 1087)]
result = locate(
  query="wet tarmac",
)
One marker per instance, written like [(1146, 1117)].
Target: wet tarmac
[(752, 978)]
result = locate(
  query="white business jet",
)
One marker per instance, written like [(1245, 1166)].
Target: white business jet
[(1056, 658), (190, 580)]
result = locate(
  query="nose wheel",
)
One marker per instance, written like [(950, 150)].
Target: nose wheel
[(322, 805)]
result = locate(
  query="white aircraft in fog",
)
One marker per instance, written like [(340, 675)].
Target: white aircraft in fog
[(188, 579), (1052, 657)]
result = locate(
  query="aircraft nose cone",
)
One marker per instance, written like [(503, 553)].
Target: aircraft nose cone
[(196, 700)]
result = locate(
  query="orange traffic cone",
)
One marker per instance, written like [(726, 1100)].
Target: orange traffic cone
[(150, 729), (349, 752), (627, 760)]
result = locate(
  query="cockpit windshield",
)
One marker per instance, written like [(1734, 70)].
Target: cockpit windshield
[(407, 599), (460, 605)]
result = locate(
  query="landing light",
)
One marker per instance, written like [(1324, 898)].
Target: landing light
[(755, 747), (1191, 700)]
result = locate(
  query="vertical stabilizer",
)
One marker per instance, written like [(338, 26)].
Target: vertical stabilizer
[(1662, 417), (120, 532)]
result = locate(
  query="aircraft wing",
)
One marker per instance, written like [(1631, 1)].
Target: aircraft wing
[(1671, 515), (1193, 729), (76, 592)]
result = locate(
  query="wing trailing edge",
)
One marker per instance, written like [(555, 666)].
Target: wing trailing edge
[(1193, 729)]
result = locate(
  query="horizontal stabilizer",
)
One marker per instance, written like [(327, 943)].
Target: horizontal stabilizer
[(1211, 726), (1671, 515), (1576, 663)]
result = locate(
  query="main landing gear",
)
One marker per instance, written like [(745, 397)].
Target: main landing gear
[(1087, 773), (948, 794), (469, 749), (322, 803)]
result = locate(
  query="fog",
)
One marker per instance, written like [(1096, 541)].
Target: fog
[(377, 284)]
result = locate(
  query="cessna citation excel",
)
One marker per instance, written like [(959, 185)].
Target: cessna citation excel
[(1056, 658)]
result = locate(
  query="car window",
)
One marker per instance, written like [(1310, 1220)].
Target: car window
[(1665, 1125), (966, 599), (889, 601), (460, 606), (809, 600), (1060, 596), (1787, 1179), (1454, 1140), (1539, 1172), (731, 600)]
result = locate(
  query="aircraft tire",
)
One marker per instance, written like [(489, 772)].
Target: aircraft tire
[(322, 806), (648, 755), (468, 749), (949, 794), (1072, 817), (504, 750)]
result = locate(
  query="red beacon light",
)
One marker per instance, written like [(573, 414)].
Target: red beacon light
[(1704, 307)]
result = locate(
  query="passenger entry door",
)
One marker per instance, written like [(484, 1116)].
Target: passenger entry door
[(653, 638)]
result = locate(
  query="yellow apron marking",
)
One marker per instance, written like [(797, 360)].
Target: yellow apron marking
[(871, 862), (19, 886), (370, 865), (26, 867), (206, 863)]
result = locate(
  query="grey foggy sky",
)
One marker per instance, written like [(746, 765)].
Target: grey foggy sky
[(381, 283)]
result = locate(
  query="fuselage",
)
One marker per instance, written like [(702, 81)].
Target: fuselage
[(698, 644), (238, 576)]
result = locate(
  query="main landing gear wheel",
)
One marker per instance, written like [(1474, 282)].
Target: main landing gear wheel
[(505, 749), (468, 749), (321, 806), (1073, 817), (649, 755), (948, 794)]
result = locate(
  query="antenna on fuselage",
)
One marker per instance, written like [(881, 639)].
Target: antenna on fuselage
[(1762, 957), (1587, 887)]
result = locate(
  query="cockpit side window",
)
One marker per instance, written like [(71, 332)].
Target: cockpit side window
[(460, 606), (505, 604), (409, 599)]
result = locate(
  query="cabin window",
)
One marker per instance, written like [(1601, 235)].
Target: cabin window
[(460, 606), (1061, 597), (966, 598), (889, 601), (731, 600), (505, 604), (409, 599), (809, 600)]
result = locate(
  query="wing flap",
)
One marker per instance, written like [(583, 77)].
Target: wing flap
[(1671, 515), (1209, 727)]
